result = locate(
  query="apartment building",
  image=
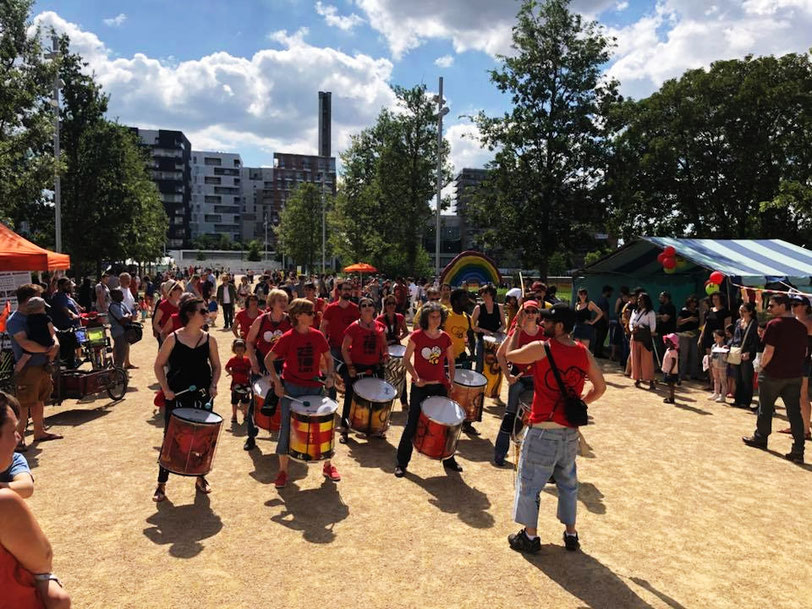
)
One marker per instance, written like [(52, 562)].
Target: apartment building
[(217, 196)]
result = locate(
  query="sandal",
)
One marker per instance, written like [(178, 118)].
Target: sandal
[(160, 493), (202, 486)]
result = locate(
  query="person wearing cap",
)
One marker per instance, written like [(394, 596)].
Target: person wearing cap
[(519, 378), (551, 442), (781, 375), (32, 381)]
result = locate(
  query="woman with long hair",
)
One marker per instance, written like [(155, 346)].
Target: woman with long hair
[(745, 336), (642, 325), (488, 319), (584, 331)]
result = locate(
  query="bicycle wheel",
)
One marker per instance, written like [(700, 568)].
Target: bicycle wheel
[(117, 384)]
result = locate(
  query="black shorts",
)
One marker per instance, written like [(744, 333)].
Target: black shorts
[(240, 394), (671, 379)]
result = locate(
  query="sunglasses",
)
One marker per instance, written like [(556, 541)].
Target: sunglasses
[(309, 313), (532, 311), (433, 299), (367, 306), (203, 311)]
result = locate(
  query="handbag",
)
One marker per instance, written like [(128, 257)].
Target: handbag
[(642, 334), (133, 332), (734, 356), (575, 409)]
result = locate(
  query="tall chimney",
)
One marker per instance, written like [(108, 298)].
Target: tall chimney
[(325, 119)]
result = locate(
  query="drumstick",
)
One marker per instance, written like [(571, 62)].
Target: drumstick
[(302, 402), (521, 282), (191, 388)]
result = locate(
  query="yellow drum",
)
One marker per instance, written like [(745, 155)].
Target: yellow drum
[(468, 391), (312, 426), (371, 406), (491, 369)]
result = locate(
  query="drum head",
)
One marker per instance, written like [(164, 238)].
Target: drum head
[(196, 415), (496, 339), (397, 351), (317, 405), (469, 378), (374, 390), (261, 386), (442, 410)]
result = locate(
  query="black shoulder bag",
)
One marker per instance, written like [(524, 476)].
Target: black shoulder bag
[(575, 409)]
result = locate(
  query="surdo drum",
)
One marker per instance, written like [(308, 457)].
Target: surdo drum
[(469, 392), (438, 427), (395, 370), (491, 369), (312, 423), (371, 405), (522, 415), (190, 441), (262, 388)]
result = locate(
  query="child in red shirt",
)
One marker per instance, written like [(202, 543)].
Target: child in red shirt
[(239, 367)]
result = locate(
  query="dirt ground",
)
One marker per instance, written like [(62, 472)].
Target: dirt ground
[(673, 512)]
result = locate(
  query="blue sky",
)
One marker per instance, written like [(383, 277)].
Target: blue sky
[(243, 76)]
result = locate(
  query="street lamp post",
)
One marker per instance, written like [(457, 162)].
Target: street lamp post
[(54, 54), (442, 110)]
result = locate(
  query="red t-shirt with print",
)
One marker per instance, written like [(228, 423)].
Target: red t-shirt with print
[(244, 321), (338, 318), (368, 344), (572, 362), (430, 355), (270, 331), (302, 353)]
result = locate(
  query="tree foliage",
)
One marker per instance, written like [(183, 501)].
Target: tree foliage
[(551, 146), (26, 124), (724, 152), (299, 230)]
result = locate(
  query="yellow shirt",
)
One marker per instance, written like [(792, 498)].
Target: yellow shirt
[(457, 325), (416, 319)]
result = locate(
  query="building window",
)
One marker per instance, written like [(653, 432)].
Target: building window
[(215, 161)]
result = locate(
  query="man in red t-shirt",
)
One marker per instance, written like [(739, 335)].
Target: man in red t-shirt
[(318, 303), (363, 350), (781, 375), (551, 442), (337, 316)]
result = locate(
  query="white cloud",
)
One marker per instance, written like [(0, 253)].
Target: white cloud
[(466, 148), (446, 61), (621, 6), (333, 19), (267, 101), (116, 21)]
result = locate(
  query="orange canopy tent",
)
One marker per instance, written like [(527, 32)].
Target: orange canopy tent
[(360, 267), (18, 254)]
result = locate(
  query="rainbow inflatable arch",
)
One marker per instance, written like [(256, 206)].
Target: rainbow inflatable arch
[(471, 266)]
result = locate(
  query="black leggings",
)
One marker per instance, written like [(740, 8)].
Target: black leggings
[(415, 400)]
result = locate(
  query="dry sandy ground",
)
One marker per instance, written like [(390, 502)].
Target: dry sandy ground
[(673, 512)]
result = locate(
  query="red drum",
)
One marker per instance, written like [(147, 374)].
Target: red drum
[(438, 427), (261, 389), (492, 370), (395, 370), (312, 426), (469, 392), (371, 406), (190, 441)]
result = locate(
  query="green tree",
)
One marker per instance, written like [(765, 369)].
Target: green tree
[(723, 153), (551, 146), (254, 251), (26, 124), (299, 230)]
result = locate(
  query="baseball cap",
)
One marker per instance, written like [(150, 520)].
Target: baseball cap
[(514, 293), (538, 285), (560, 312), (531, 303)]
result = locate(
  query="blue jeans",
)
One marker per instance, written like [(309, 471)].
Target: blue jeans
[(294, 391), (502, 445), (545, 452)]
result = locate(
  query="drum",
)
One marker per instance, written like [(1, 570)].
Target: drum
[(371, 405), (261, 388), (469, 392), (491, 369), (338, 380), (522, 415), (395, 370), (438, 427), (312, 423), (190, 441)]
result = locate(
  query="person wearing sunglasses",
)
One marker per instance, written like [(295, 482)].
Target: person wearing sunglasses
[(519, 378), (364, 351), (432, 295), (395, 328), (781, 375), (187, 357), (337, 316)]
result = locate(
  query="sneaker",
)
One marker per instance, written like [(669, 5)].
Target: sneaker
[(281, 480), (571, 542), (499, 461), (522, 543), (714, 396), (469, 429), (721, 400), (795, 457), (668, 401), (400, 471), (249, 444), (343, 437), (755, 442), (452, 465), (331, 472)]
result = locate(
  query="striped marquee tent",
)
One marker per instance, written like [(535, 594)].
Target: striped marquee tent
[(749, 262)]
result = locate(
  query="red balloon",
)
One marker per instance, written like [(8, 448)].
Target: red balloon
[(717, 277), (669, 251), (660, 257), (670, 263)]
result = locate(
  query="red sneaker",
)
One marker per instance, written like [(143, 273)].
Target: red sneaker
[(281, 480), (331, 472)]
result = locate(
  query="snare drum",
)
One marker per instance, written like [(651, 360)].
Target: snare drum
[(371, 405), (190, 441), (395, 370), (261, 388), (491, 369), (312, 423), (438, 427), (469, 392)]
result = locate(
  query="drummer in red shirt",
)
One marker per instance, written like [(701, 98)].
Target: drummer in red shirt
[(432, 374), (363, 350), (318, 303), (551, 442), (165, 310), (337, 316), (305, 351), (246, 317)]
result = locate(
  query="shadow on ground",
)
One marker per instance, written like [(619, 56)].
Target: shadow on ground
[(314, 512), (183, 527), (452, 495)]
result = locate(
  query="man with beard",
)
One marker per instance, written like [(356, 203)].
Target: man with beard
[(337, 316)]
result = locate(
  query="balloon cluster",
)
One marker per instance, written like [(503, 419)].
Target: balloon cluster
[(670, 261), (712, 284)]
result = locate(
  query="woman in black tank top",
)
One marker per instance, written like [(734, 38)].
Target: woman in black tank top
[(488, 319), (192, 359)]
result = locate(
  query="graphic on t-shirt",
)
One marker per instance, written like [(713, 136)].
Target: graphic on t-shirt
[(572, 377), (370, 343), (304, 355), (457, 331), (271, 337), (432, 355)]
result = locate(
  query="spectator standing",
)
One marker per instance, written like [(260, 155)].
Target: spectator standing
[(642, 326), (227, 296), (103, 293), (745, 336), (121, 315), (86, 294), (688, 332), (803, 313), (602, 323), (666, 316)]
